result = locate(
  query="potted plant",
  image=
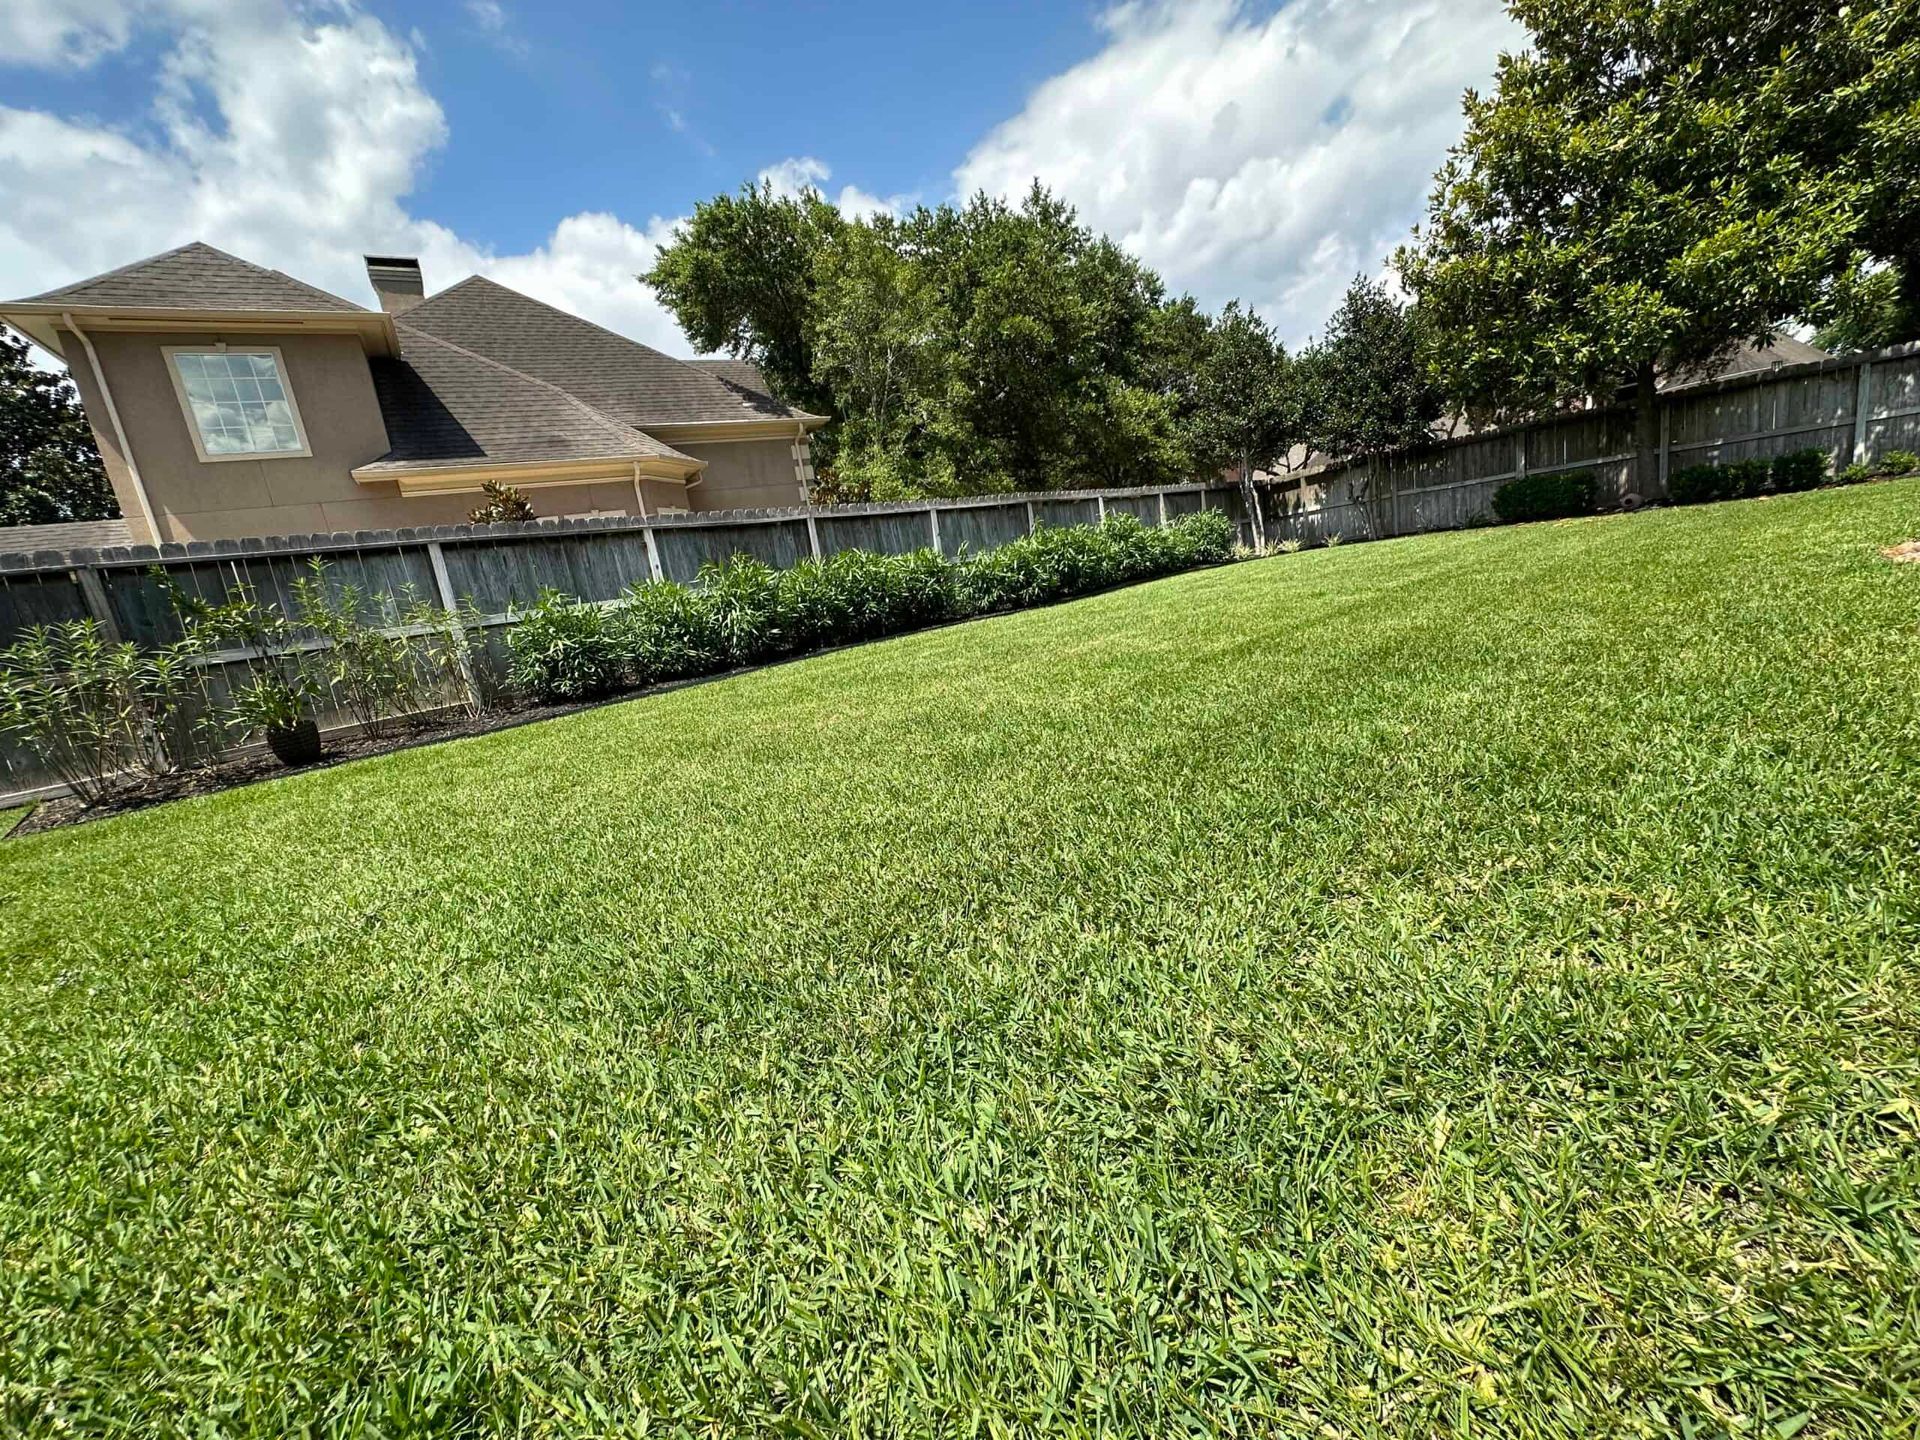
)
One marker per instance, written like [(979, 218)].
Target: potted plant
[(281, 710)]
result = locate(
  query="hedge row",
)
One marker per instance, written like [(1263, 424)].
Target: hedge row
[(1742, 479), (1552, 495), (745, 612)]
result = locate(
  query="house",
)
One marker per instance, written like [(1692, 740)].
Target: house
[(230, 400)]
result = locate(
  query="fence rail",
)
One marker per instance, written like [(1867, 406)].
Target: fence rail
[(496, 570), (1854, 407)]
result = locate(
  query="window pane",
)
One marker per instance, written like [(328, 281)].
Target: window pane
[(238, 402)]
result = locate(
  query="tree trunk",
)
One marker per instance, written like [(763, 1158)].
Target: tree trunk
[(1256, 523), (1646, 435)]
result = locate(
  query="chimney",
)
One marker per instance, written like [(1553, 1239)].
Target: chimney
[(396, 280)]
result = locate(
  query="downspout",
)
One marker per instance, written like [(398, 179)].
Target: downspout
[(639, 494), (799, 466), (119, 431)]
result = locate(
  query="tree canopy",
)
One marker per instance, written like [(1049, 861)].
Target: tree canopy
[(739, 277), (978, 347), (1650, 184), (1366, 387), (50, 470)]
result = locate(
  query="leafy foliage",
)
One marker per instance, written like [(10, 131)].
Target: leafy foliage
[(50, 470), (503, 504), (1551, 495), (1733, 480), (1367, 387), (1649, 185), (95, 711), (562, 650), (1247, 414), (744, 611), (739, 277), (1798, 470)]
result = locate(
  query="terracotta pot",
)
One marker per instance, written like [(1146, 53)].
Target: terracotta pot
[(296, 744)]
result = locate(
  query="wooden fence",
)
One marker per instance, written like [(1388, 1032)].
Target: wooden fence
[(1855, 407), (499, 569)]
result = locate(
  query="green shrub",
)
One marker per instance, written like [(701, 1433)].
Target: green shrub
[(1695, 485), (1855, 473), (666, 631), (1799, 470), (1552, 495), (563, 649), (374, 674), (91, 709), (744, 611), (1735, 480), (1898, 462), (1747, 478)]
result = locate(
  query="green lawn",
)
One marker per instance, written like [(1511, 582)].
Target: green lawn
[(1464, 985)]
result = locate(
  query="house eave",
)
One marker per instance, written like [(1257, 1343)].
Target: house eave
[(529, 475), (40, 322)]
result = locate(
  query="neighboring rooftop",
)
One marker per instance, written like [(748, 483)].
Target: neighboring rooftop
[(446, 406), (741, 375), (194, 277), (69, 535), (627, 380)]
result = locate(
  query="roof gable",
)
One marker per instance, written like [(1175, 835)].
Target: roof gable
[(195, 277), (623, 378), (446, 406)]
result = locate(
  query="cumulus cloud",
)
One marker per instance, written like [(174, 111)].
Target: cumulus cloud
[(1265, 157), (799, 173), (291, 138)]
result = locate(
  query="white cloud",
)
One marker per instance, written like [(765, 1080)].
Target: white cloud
[(290, 138), (802, 172), (70, 32), (1265, 157)]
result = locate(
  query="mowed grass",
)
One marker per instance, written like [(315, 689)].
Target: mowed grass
[(1464, 985)]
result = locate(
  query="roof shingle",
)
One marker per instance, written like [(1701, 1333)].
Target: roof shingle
[(195, 277), (446, 406), (621, 377)]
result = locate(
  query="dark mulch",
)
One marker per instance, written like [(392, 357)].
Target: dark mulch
[(249, 768)]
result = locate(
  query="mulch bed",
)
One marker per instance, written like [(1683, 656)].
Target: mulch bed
[(247, 769)]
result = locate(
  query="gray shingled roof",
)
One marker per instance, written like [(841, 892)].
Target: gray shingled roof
[(625, 379), (741, 375), (195, 277), (67, 535), (446, 406)]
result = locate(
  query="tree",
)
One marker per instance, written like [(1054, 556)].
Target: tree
[(739, 277), (1627, 204), (878, 352), (1247, 413), (50, 470), (1370, 386), (504, 504)]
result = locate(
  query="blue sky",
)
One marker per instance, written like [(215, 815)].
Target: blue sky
[(1255, 150)]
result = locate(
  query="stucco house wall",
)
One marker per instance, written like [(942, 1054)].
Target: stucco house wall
[(231, 499), (744, 473)]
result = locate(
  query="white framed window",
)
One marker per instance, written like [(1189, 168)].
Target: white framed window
[(237, 402)]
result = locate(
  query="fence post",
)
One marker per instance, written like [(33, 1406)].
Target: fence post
[(95, 594), (813, 538), (933, 524), (653, 553), (1161, 496), (449, 602), (1666, 446), (1030, 520), (1100, 503), (1862, 411)]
